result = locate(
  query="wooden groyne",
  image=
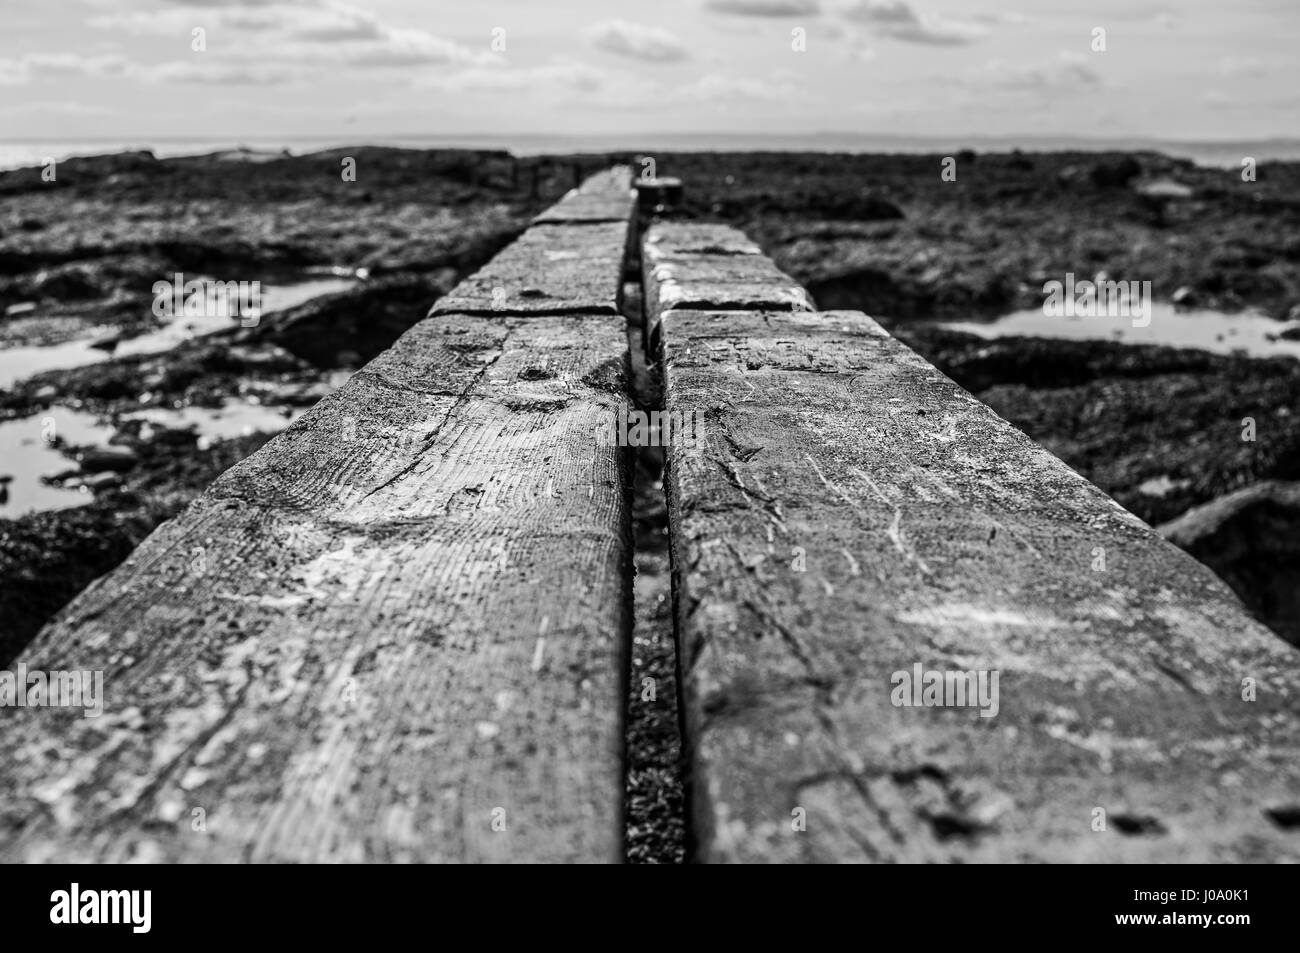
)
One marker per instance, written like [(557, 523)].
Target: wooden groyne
[(394, 633), (857, 527), (399, 631)]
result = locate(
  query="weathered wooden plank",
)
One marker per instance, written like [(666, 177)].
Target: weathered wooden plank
[(394, 633), (550, 269), (691, 265), (658, 196), (851, 514), (605, 197)]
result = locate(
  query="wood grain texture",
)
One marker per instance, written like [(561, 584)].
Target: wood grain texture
[(550, 269), (404, 613), (571, 261), (933, 532), (691, 265), (395, 633)]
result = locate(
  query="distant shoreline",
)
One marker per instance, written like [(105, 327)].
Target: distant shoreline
[(17, 153)]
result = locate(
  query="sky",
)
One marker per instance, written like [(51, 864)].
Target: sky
[(1187, 69)]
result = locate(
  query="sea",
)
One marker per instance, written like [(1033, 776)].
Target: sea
[(15, 154)]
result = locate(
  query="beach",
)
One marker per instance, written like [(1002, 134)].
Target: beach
[(1156, 423), (116, 414)]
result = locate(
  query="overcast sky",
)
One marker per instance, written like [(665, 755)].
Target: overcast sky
[(1189, 69)]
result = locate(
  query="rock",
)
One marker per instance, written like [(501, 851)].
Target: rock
[(1251, 539), (1165, 189), (1114, 173), (23, 307), (102, 481), (303, 394), (1294, 313), (267, 355), (866, 208), (108, 458), (104, 166), (67, 282), (1071, 175), (108, 342), (1184, 297)]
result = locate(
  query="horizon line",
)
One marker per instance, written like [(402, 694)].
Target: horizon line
[(978, 137)]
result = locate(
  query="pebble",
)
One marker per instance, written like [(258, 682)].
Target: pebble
[(108, 458)]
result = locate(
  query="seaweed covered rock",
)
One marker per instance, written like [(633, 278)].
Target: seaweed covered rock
[(1251, 539)]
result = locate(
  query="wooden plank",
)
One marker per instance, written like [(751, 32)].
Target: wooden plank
[(550, 269), (850, 514), (570, 261), (605, 197), (396, 633), (691, 265)]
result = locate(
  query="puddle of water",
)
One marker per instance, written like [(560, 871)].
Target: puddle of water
[(27, 450), (337, 271), (1166, 188), (237, 418), (1162, 486), (21, 362), (27, 453), (1201, 329)]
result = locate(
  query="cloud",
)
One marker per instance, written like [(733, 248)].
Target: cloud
[(766, 8), (13, 73), (47, 107), (881, 11), (197, 69), (1243, 66), (33, 66), (341, 24), (209, 72), (242, 3), (1010, 17), (180, 22), (1069, 71), (397, 47), (306, 33), (648, 43), (715, 88), (897, 19), (72, 63), (557, 76)]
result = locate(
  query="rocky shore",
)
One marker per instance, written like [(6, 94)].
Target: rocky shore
[(78, 260), (1159, 428)]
